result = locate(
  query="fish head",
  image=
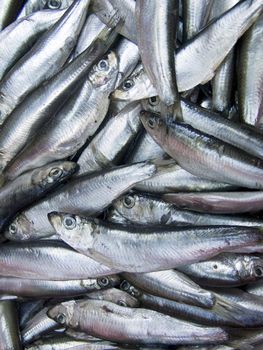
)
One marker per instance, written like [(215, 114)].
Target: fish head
[(75, 230), (103, 75), (64, 313), (51, 174), (20, 229), (155, 125), (129, 288), (250, 268), (136, 87), (108, 281), (128, 205)]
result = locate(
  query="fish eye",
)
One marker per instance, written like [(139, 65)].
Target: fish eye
[(153, 101), (54, 4), (259, 271), (128, 202), (151, 123), (55, 172), (103, 65), (12, 229), (128, 84), (125, 285), (121, 303), (69, 222), (61, 318), (103, 281), (215, 267)]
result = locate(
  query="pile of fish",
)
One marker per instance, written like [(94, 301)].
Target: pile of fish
[(131, 174)]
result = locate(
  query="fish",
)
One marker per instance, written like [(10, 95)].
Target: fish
[(40, 324), (171, 284), (74, 124), (97, 239), (195, 16), (23, 287), (116, 296), (157, 19), (47, 99), (218, 202), (55, 262), (54, 47), (32, 6), (255, 288), (100, 187), (170, 177), (110, 144), (9, 328), (32, 186), (204, 155), (131, 324), (17, 38), (28, 309), (226, 270), (250, 75), (142, 209), (222, 83)]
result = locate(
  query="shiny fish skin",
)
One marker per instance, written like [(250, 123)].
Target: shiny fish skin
[(9, 329), (170, 177), (145, 148), (47, 288), (226, 270), (157, 19), (18, 37), (53, 48), (245, 137), (172, 285), (110, 143), (55, 262), (195, 14), (126, 9), (129, 56), (31, 186), (46, 100), (218, 202), (132, 325), (8, 12), (74, 124), (255, 288), (204, 155), (250, 75), (28, 309), (143, 209), (97, 239), (223, 80), (37, 326), (101, 188)]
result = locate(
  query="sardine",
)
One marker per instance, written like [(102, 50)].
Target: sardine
[(9, 328), (97, 239), (8, 12), (204, 155), (131, 325)]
